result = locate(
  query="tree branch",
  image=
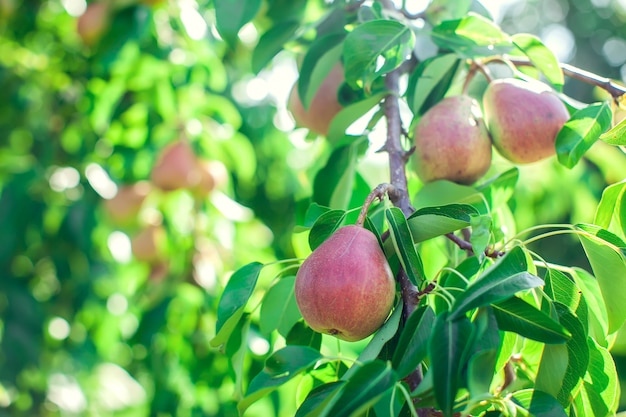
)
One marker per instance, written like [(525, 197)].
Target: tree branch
[(614, 89)]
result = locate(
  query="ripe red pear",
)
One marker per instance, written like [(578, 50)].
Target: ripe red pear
[(176, 167), (324, 106), (523, 118), (452, 142), (345, 288)]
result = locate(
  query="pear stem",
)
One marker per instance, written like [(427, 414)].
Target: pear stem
[(377, 193)]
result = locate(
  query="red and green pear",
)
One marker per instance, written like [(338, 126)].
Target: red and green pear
[(523, 118), (345, 288), (176, 167), (324, 106), (452, 142)]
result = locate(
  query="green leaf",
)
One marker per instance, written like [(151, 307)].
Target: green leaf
[(231, 15), (429, 222), (404, 245), (348, 115), (282, 366), (430, 81), (481, 233), (324, 226), (600, 392), (541, 57), (448, 347), (412, 347), (471, 36), (598, 318), (319, 60), (332, 186), (362, 48), (301, 334), (440, 10), (516, 315), (609, 268), (320, 400), (581, 131), (560, 371), (616, 135), (271, 43), (378, 341), (305, 219), (505, 278), (279, 309), (539, 403), (236, 350), (443, 192), (609, 208), (364, 388), (500, 189), (234, 299), (454, 283), (482, 362)]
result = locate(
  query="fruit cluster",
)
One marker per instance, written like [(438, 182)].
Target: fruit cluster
[(345, 288), (177, 167), (454, 138)]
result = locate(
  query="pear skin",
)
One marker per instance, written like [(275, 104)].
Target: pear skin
[(523, 119), (324, 106), (345, 288), (452, 142)]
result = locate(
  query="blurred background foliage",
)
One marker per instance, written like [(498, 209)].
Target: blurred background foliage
[(89, 328)]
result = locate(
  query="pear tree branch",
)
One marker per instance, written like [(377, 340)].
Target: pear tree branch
[(614, 89)]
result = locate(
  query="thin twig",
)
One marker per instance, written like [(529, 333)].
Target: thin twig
[(614, 89)]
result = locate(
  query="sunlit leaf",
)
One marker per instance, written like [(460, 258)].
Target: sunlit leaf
[(616, 135), (350, 114), (472, 35), (581, 131), (610, 207), (600, 393), (516, 315), (280, 367), (333, 183), (429, 222), (412, 347), (541, 57), (609, 267), (505, 278), (404, 245), (539, 403), (500, 189), (362, 48), (279, 309), (271, 43), (430, 81), (448, 350), (231, 15), (234, 299)]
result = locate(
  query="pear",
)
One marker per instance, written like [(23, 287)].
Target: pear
[(452, 142), (523, 118), (324, 106), (124, 207), (345, 288), (94, 22), (149, 244), (176, 167)]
